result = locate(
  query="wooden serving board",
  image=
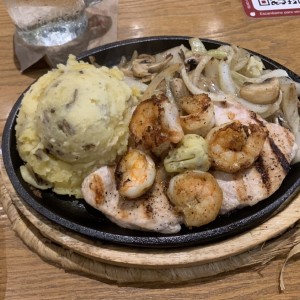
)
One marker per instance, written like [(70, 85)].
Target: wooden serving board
[(75, 252)]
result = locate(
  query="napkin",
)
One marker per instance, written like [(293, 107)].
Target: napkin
[(102, 29)]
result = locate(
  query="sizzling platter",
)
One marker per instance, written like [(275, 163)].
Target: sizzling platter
[(73, 214)]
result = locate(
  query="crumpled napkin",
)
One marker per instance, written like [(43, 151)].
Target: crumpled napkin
[(102, 29)]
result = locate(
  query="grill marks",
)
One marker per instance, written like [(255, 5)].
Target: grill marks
[(263, 169), (264, 177), (263, 172), (266, 170), (280, 156)]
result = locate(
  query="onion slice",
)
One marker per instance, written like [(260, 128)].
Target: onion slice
[(158, 79), (238, 77), (226, 82), (217, 97), (200, 67)]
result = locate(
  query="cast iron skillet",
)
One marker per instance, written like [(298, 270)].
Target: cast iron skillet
[(81, 218)]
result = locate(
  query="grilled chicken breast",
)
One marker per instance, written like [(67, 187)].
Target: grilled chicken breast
[(150, 212), (153, 211), (264, 177)]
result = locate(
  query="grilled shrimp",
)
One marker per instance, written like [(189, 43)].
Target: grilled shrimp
[(234, 146), (135, 174), (197, 196), (199, 118), (155, 125)]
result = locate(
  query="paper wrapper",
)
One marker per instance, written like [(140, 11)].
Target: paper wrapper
[(102, 29)]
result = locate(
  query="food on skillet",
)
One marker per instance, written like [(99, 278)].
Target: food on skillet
[(209, 125), (241, 151), (72, 120), (151, 211), (190, 153), (197, 196), (250, 156)]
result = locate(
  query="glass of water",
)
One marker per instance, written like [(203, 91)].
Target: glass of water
[(48, 22)]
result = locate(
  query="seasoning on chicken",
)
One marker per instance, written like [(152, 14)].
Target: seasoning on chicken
[(150, 212), (264, 177)]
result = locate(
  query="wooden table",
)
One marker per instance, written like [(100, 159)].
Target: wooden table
[(23, 275)]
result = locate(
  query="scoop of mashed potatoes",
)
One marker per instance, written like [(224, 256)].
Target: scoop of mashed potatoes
[(71, 121)]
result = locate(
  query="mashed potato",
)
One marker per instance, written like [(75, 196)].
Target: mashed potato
[(71, 121)]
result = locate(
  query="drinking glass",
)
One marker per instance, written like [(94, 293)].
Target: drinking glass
[(48, 22)]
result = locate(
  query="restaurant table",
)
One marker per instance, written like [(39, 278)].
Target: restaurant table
[(24, 275)]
